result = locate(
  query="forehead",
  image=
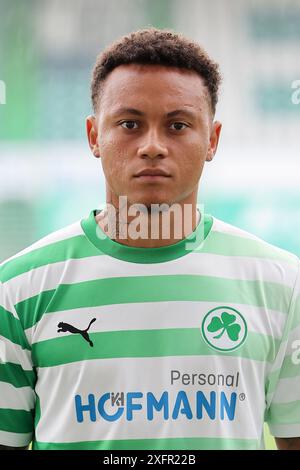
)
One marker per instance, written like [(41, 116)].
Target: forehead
[(153, 84)]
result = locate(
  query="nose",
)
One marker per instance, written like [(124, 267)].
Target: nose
[(152, 145)]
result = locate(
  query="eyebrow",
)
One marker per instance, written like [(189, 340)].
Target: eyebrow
[(137, 112)]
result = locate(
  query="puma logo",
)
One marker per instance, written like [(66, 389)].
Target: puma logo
[(65, 327)]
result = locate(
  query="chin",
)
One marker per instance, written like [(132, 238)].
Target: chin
[(155, 199)]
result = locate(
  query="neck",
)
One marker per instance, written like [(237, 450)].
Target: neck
[(149, 229)]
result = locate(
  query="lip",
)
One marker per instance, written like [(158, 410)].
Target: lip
[(152, 173), (152, 178)]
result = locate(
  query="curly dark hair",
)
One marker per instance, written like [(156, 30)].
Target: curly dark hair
[(154, 46)]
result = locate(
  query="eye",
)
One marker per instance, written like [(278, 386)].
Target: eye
[(129, 124), (178, 124)]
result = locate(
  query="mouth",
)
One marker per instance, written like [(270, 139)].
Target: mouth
[(152, 178), (152, 175)]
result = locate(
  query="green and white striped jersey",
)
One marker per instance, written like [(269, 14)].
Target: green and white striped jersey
[(106, 346)]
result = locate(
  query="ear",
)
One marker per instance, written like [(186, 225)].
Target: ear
[(214, 140), (92, 135)]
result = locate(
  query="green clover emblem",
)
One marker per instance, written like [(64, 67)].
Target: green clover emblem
[(225, 323)]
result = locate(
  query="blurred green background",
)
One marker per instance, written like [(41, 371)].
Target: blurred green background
[(48, 178)]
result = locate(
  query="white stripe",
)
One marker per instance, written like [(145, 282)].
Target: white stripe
[(151, 315), (285, 430), (15, 439), (224, 227), (293, 343), (6, 303), (277, 364), (11, 352), (58, 421), (59, 235), (72, 271), (287, 390), (286, 349), (16, 398)]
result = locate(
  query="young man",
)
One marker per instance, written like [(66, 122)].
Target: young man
[(111, 340)]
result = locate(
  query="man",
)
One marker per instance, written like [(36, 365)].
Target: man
[(115, 338)]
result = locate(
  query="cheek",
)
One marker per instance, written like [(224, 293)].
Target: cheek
[(192, 161), (114, 163)]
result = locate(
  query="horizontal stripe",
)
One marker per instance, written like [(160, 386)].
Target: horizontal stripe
[(234, 245), (153, 316), (286, 363), (228, 374), (293, 342), (288, 369), (76, 247), (284, 413), (11, 329), (16, 421), (285, 430), (288, 390), (13, 439), (284, 367), (296, 309), (16, 376), (64, 233), (151, 343), (5, 302), (197, 443), (21, 398), (74, 271), (229, 229), (11, 352), (152, 289)]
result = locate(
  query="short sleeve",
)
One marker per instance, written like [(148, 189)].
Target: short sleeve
[(17, 378), (283, 390)]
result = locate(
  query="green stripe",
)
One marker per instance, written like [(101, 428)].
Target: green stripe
[(18, 421), (144, 343), (74, 247), (37, 416), (168, 288), (296, 317), (226, 244), (289, 369), (284, 430), (16, 376), (31, 310), (192, 443), (272, 382), (11, 329), (284, 413)]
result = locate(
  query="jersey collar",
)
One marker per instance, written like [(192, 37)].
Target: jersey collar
[(146, 255)]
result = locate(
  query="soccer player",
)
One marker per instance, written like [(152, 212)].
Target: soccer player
[(115, 335)]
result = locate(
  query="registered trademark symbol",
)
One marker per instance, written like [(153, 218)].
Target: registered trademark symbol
[(242, 396)]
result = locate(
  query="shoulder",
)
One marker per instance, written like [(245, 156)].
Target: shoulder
[(240, 240), (48, 249), (229, 240)]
